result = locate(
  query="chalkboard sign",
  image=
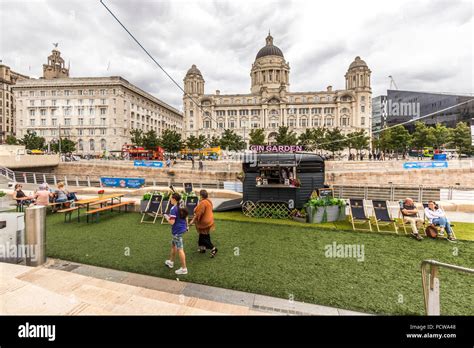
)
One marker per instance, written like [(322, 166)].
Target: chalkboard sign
[(154, 204), (326, 193), (188, 187), (191, 203)]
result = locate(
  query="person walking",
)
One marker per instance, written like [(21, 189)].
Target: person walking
[(201, 165), (204, 221), (177, 219), (192, 162)]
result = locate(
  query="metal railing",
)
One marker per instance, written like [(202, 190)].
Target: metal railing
[(430, 283), (94, 181)]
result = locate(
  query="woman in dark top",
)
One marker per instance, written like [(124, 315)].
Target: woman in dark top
[(20, 196)]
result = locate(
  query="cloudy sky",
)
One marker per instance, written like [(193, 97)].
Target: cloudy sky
[(424, 45)]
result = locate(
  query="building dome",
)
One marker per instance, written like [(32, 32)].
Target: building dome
[(269, 49), (194, 71), (357, 63)]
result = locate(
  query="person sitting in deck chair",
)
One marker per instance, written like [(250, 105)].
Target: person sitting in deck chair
[(410, 215), (437, 217)]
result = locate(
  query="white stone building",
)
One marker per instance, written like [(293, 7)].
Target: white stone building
[(270, 103), (97, 113)]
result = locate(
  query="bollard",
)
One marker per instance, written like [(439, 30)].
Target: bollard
[(35, 235)]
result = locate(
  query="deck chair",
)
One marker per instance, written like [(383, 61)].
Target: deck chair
[(358, 214), (402, 222), (382, 216), (153, 208), (427, 222)]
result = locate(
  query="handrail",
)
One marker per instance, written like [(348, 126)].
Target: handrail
[(431, 293)]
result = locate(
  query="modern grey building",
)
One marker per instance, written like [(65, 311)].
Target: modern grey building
[(379, 113), (402, 106)]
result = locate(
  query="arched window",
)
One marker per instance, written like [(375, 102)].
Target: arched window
[(91, 145), (329, 122), (303, 122), (345, 121), (291, 122), (316, 122), (80, 145), (103, 144)]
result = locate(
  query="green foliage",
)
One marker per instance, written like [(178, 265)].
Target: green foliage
[(214, 141), (231, 141), (396, 139), (441, 135), (257, 136), (67, 146), (286, 136), (422, 136), (136, 137), (193, 142), (11, 140), (357, 140), (147, 196), (461, 139), (171, 141), (2, 194), (325, 202), (334, 140), (31, 141), (150, 140)]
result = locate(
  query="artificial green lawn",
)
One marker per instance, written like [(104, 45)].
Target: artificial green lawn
[(278, 258)]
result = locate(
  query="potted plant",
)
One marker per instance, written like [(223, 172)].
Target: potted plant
[(100, 193), (325, 209), (2, 195), (299, 215)]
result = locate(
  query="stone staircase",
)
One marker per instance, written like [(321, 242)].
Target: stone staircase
[(44, 291)]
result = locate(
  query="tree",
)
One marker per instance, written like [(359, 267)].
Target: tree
[(214, 141), (136, 137), (150, 140), (400, 139), (442, 135), (67, 146), (257, 136), (11, 140), (286, 136), (422, 136), (357, 140), (171, 141), (31, 141), (318, 136), (194, 142), (306, 138), (232, 141), (334, 140), (461, 139)]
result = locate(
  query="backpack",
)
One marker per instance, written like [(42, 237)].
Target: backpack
[(431, 231)]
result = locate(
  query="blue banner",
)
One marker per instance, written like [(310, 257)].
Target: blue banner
[(424, 165), (123, 182), (153, 164)]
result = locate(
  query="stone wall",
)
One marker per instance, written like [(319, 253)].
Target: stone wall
[(109, 169), (426, 177)]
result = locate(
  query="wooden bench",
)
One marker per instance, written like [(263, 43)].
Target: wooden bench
[(95, 212), (68, 213)]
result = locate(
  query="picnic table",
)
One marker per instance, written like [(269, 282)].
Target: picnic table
[(87, 202)]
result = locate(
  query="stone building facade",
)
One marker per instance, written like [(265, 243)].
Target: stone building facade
[(7, 101), (97, 113), (270, 103)]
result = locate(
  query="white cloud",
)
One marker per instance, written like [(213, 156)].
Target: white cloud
[(425, 45)]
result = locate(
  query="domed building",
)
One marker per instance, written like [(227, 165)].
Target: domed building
[(271, 104)]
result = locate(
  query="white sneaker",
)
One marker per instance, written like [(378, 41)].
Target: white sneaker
[(169, 263), (181, 271)]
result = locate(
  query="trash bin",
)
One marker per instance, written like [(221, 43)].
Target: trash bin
[(35, 235)]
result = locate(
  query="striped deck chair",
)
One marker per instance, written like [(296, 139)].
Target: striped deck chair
[(358, 214)]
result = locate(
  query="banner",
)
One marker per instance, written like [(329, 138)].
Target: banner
[(123, 182), (276, 148), (424, 165), (153, 164)]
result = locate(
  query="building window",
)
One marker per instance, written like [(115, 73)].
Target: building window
[(32, 112), (91, 131), (32, 103), (231, 124), (316, 122), (80, 121), (53, 102), (91, 92), (91, 101), (54, 121), (102, 121), (220, 124), (80, 144), (91, 111), (231, 112), (291, 122), (43, 122), (54, 93), (32, 122), (362, 121), (32, 93), (103, 111), (191, 113), (243, 123), (362, 98), (91, 121), (243, 112), (43, 103), (92, 145), (79, 92), (43, 112), (207, 124), (328, 121), (67, 121), (303, 122), (362, 108), (103, 131), (67, 93), (102, 92)]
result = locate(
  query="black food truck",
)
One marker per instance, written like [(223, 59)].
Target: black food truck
[(283, 177)]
